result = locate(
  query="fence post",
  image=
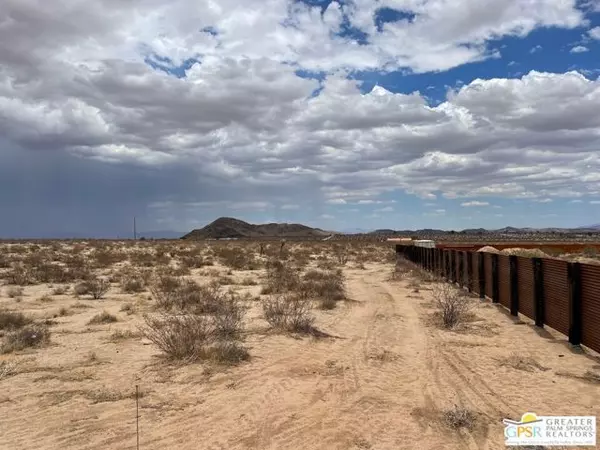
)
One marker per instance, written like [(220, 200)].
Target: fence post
[(461, 269), (480, 263), (495, 278), (469, 271), (575, 312), (453, 259), (514, 285), (538, 277)]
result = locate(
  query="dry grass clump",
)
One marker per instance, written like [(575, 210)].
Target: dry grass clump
[(122, 335), (13, 320), (191, 337), (19, 275), (184, 337), (96, 287), (328, 286), (237, 258), (132, 284), (32, 335), (7, 369), (103, 318), (14, 291), (453, 303), (60, 290), (459, 417), (288, 312), (525, 363), (281, 277)]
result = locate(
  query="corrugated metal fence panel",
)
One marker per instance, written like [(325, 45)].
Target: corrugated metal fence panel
[(504, 280), (526, 287), (590, 305), (556, 293), (457, 265), (462, 269), (475, 272), (487, 264)]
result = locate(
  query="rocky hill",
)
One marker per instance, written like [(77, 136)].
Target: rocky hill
[(230, 228)]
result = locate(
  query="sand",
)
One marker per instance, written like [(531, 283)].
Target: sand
[(381, 379)]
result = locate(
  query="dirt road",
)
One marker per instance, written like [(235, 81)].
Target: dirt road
[(379, 378)]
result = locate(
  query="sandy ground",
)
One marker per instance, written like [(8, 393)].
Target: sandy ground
[(380, 380)]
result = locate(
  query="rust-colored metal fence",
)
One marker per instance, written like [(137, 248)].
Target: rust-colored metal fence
[(563, 295)]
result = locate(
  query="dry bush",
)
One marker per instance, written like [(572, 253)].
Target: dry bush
[(248, 281), (185, 337), (13, 320), (341, 254), (164, 290), (325, 284), (127, 308), (103, 258), (225, 280), (229, 318), (19, 275), (102, 318), (122, 335), (288, 312), (281, 277), (32, 335), (132, 284), (453, 303), (459, 417), (519, 362), (81, 289), (7, 369), (60, 290), (237, 258), (14, 291), (98, 287)]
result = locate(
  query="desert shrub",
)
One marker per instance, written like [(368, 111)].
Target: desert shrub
[(10, 320), (237, 258), (459, 417), (32, 335), (452, 302), (281, 277), (180, 336), (81, 289), (98, 287), (341, 254), (164, 290), (248, 281), (288, 312), (60, 290), (132, 284), (127, 308), (326, 285), (14, 291), (225, 280), (19, 275), (103, 258), (102, 318), (52, 273), (229, 318), (229, 352)]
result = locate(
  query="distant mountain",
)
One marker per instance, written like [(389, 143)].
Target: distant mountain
[(160, 234), (591, 227), (230, 228)]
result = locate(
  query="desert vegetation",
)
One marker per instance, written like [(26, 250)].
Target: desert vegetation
[(261, 344)]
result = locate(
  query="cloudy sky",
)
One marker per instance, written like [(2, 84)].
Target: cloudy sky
[(347, 114)]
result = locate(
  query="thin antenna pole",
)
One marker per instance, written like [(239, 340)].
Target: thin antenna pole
[(137, 415), (134, 230)]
